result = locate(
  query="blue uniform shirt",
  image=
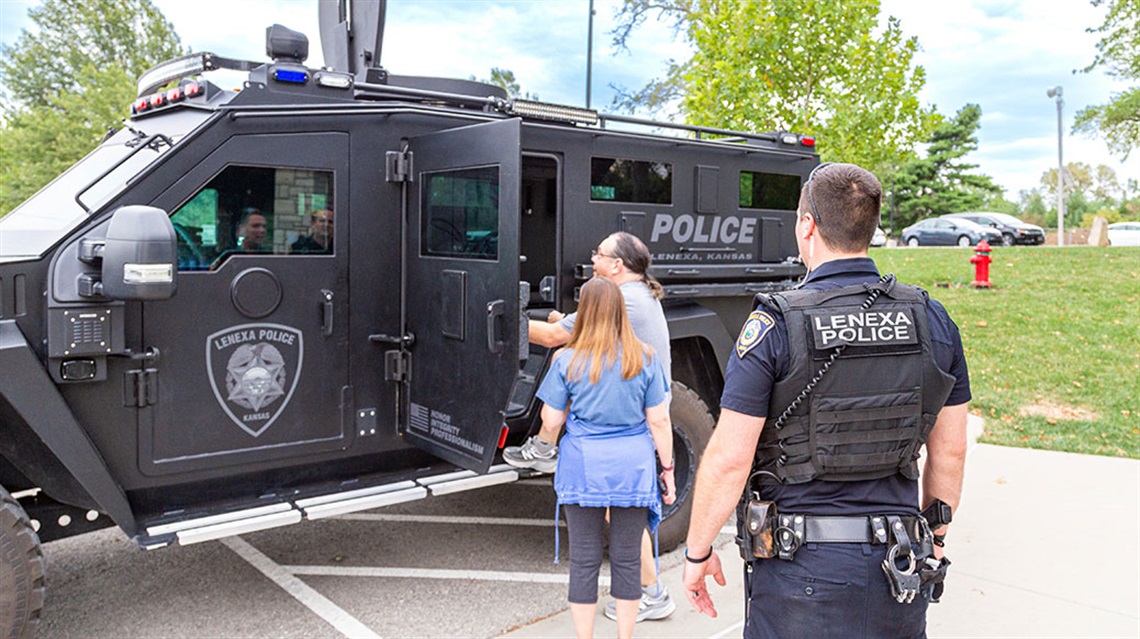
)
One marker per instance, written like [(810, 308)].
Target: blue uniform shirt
[(748, 386)]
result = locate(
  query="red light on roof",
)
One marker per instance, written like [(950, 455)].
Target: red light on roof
[(174, 95), (157, 100), (140, 105), (192, 89), (807, 140)]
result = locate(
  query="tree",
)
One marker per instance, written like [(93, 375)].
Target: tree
[(941, 183), (505, 80), (71, 81), (1106, 186), (1032, 206), (997, 203), (812, 66), (1087, 191), (1118, 53)]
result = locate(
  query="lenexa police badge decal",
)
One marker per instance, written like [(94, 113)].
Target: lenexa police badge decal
[(755, 328), (254, 369)]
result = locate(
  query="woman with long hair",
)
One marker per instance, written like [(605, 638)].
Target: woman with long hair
[(610, 391)]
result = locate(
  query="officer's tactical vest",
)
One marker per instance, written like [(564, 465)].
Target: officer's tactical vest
[(871, 412)]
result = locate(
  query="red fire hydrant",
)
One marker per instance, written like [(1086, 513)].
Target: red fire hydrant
[(981, 263)]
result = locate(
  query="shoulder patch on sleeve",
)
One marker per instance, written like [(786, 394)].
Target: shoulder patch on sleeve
[(755, 328)]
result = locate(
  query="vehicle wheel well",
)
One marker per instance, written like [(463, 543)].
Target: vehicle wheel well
[(695, 365), (25, 462)]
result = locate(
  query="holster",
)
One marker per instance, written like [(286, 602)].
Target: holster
[(756, 529)]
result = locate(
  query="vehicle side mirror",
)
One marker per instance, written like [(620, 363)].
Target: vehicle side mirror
[(140, 256)]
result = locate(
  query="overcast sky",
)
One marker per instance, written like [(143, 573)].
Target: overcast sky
[(1002, 55)]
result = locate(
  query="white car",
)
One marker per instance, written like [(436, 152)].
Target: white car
[(879, 239), (1124, 234)]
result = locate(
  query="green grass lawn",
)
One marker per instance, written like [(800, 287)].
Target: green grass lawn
[(1053, 348)]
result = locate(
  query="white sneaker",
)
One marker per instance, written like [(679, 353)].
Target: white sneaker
[(650, 607), (528, 456)]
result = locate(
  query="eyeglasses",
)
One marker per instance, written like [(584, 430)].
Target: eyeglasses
[(597, 253), (811, 190)]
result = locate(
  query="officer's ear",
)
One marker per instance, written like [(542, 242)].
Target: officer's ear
[(806, 225)]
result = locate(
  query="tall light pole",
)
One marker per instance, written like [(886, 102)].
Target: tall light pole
[(589, 52), (1057, 92)]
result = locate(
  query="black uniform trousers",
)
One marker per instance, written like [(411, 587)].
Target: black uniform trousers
[(829, 590)]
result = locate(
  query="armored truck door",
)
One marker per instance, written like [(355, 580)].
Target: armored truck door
[(254, 362), (462, 289)]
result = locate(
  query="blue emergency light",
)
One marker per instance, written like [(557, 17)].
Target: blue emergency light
[(287, 75)]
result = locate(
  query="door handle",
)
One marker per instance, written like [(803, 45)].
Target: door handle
[(326, 312), (495, 311)]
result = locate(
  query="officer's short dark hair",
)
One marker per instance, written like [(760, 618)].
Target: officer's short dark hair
[(248, 211), (849, 198)]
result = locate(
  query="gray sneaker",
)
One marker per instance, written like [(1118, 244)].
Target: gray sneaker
[(528, 456), (650, 607)]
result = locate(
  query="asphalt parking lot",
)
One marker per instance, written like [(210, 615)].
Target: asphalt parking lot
[(472, 564)]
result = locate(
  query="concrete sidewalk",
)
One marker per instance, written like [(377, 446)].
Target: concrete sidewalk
[(1044, 544)]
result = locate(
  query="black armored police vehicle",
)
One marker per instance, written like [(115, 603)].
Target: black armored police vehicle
[(309, 297)]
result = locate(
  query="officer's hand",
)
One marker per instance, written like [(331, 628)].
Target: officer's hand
[(669, 495), (696, 590), (554, 317)]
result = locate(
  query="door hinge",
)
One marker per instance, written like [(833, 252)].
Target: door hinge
[(140, 388), (398, 166), (397, 366)]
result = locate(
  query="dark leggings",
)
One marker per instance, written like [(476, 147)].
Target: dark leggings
[(586, 528)]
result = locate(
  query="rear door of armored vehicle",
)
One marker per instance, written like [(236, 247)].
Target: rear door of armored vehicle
[(462, 301)]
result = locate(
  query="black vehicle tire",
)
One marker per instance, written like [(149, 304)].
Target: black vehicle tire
[(22, 580), (963, 240), (912, 242), (692, 426), (1007, 239)]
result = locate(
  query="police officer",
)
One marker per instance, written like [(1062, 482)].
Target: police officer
[(252, 230), (829, 395)]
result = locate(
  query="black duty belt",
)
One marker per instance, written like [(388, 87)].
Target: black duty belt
[(873, 529)]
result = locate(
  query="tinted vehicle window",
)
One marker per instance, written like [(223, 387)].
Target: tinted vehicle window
[(637, 181), (461, 214), (247, 209), (769, 191)]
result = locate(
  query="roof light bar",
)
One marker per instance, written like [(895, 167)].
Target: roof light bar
[(171, 70), (555, 112)]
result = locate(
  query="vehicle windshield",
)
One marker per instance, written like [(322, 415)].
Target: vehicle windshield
[(37, 224), (1006, 219), (969, 224)]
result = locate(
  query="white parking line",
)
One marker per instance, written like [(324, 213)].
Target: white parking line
[(442, 519), (734, 629), (437, 573), (344, 623)]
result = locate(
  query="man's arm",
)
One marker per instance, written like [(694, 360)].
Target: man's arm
[(724, 468), (945, 459), (546, 334)]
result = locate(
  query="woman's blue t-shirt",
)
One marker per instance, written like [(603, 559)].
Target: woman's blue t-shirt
[(612, 401)]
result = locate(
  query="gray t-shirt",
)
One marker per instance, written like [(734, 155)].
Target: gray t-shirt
[(647, 319)]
